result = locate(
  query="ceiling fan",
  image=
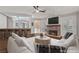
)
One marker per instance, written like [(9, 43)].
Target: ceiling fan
[(37, 9)]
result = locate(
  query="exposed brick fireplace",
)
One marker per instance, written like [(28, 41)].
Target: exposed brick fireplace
[(53, 29)]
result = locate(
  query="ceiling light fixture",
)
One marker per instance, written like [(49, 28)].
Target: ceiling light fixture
[(37, 9)]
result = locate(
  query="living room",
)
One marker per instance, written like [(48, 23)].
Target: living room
[(52, 23)]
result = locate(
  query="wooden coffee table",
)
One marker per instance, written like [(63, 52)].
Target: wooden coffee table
[(45, 44)]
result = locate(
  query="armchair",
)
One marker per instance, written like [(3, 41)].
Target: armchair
[(63, 42)]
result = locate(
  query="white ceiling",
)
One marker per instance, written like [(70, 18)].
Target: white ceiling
[(28, 10)]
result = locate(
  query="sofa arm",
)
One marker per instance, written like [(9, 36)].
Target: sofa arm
[(73, 49), (12, 47)]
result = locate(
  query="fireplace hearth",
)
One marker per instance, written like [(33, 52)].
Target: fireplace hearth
[(52, 32)]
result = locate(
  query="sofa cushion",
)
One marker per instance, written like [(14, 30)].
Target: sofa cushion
[(69, 41), (67, 35), (14, 35), (19, 42), (18, 39), (29, 43), (12, 47)]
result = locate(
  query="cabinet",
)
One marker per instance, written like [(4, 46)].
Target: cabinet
[(3, 46)]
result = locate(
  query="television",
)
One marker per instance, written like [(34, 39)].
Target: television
[(53, 20)]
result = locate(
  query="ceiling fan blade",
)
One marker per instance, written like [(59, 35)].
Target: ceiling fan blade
[(36, 7), (38, 10), (42, 11)]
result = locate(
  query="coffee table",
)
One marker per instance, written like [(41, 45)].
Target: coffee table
[(42, 41), (45, 42)]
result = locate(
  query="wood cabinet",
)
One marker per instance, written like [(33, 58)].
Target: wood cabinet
[(3, 46), (6, 33)]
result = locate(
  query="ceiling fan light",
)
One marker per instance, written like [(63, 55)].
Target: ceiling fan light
[(37, 11)]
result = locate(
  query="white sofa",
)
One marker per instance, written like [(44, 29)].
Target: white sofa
[(12, 47), (64, 42), (18, 44)]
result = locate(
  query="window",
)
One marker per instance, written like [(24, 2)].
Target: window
[(22, 22)]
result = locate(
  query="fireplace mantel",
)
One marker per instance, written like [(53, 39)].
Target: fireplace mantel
[(53, 24)]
